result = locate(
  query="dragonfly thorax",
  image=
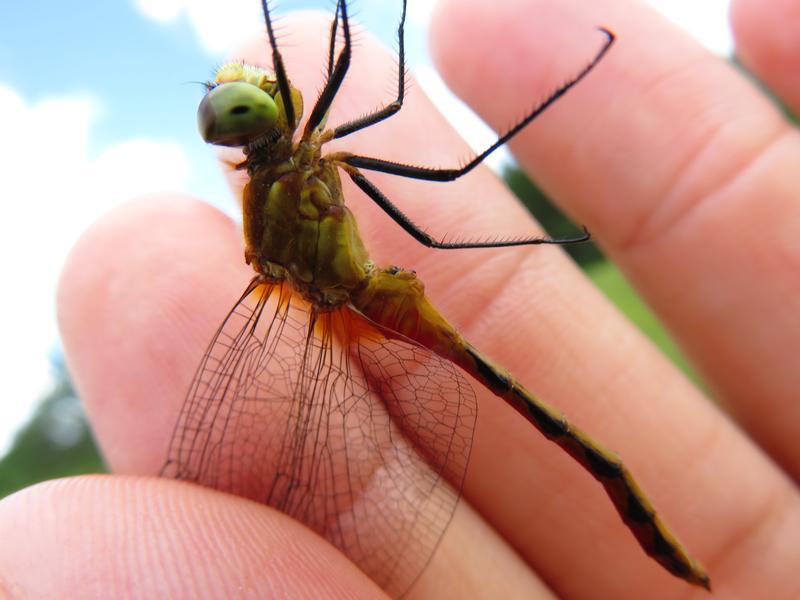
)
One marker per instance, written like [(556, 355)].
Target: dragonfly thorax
[(297, 228)]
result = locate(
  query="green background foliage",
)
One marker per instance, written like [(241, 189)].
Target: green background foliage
[(56, 442)]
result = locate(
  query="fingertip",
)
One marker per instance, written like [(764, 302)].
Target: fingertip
[(138, 299), (768, 45), (107, 536)]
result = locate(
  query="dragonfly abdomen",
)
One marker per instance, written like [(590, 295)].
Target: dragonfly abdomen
[(395, 299), (605, 465)]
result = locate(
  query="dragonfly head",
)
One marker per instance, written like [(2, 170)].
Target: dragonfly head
[(243, 105)]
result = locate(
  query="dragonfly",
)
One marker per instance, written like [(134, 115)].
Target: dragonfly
[(334, 390)]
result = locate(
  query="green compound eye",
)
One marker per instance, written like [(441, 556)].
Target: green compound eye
[(236, 113)]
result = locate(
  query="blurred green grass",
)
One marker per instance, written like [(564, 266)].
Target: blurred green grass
[(613, 284), (590, 258), (56, 442)]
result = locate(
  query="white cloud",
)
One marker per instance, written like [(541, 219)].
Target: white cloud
[(162, 11), (706, 20), (418, 13), (52, 189), (221, 26)]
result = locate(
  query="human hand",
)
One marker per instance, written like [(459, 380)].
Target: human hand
[(150, 283)]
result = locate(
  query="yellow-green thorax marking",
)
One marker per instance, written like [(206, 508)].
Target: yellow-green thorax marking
[(297, 228)]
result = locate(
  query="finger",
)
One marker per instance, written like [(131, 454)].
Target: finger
[(114, 537), (135, 325), (511, 467), (132, 321), (682, 169), (472, 70), (767, 44)]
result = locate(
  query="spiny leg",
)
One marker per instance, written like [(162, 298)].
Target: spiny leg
[(629, 499), (332, 41), (395, 106), (280, 69), (425, 239), (336, 78), (432, 174)]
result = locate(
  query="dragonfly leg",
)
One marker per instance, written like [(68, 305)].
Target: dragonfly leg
[(427, 240), (280, 69), (391, 108), (443, 175), (320, 110), (332, 41)]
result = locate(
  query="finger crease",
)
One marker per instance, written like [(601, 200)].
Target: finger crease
[(503, 286), (678, 206), (764, 520)]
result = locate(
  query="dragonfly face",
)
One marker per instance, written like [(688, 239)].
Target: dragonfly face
[(235, 113), (243, 107), (334, 389)]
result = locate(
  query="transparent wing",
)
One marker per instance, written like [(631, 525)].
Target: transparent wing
[(362, 436)]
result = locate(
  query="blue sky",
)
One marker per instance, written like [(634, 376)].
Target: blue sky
[(94, 110)]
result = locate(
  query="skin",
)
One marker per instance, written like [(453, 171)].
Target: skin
[(682, 171)]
